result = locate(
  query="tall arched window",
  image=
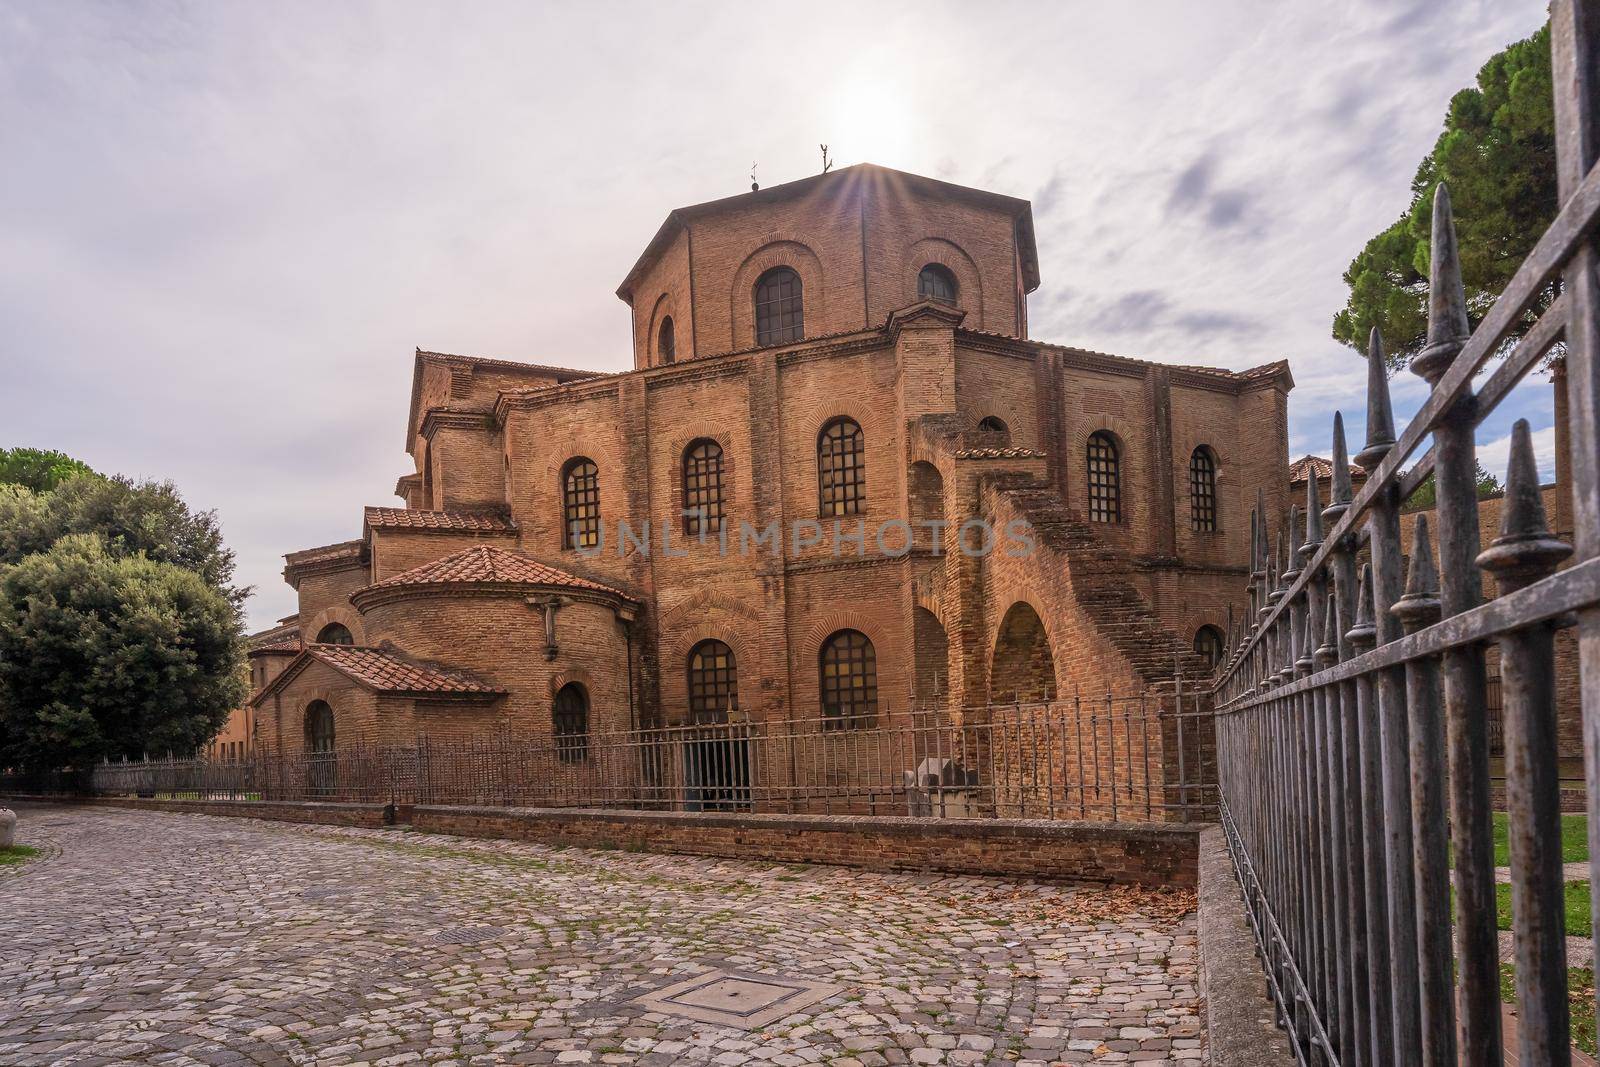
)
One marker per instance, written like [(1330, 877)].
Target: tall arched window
[(779, 307), (1210, 645), (666, 341), (713, 683), (1105, 478), (580, 504), (1203, 489), (841, 469), (570, 719), (935, 282), (319, 727), (849, 681), (335, 633), (702, 488)]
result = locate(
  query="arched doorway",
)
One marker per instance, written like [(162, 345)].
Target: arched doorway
[(932, 654), (1022, 669)]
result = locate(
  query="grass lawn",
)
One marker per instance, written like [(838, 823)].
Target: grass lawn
[(1577, 908), (15, 854), (1574, 839), (1580, 1001)]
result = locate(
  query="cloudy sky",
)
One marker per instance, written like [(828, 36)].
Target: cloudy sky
[(224, 226)]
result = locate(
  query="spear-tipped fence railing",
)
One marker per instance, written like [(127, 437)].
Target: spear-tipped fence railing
[(1145, 756), (1352, 715)]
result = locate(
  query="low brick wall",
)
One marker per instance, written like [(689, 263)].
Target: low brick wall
[(1142, 854), (327, 814)]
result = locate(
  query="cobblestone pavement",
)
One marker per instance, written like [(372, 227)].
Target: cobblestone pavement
[(154, 938)]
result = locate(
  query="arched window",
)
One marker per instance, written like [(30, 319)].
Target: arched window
[(993, 424), (1105, 478), (935, 282), (713, 683), (779, 312), (1210, 645), (666, 341), (319, 727), (702, 488), (841, 469), (570, 719), (335, 633), (1203, 489), (580, 504), (849, 681)]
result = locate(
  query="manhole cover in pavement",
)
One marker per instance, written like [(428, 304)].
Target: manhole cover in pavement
[(468, 935), (741, 999)]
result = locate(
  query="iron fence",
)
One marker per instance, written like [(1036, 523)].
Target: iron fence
[(1146, 756), (1352, 716)]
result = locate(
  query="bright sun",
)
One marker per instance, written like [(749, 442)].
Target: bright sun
[(870, 120)]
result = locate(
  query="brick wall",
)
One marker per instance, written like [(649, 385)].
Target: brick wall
[(1097, 852)]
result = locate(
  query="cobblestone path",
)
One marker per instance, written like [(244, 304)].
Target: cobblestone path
[(153, 938)]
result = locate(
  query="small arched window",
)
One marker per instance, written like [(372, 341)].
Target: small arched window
[(1105, 478), (1203, 489), (841, 469), (713, 683), (935, 282), (570, 719), (1210, 645), (335, 633), (993, 424), (779, 307), (319, 727), (849, 681), (666, 341), (580, 504), (702, 488)]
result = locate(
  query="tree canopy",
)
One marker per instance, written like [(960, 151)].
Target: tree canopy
[(39, 469), (1427, 494), (1497, 153), (104, 655)]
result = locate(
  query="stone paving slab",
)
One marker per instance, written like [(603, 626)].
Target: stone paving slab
[(153, 938)]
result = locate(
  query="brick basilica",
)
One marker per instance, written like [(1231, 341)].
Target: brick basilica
[(779, 513)]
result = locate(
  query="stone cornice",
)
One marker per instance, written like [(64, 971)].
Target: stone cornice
[(373, 596), (435, 419)]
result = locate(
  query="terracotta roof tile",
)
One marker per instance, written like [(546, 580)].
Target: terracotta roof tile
[(486, 563), (386, 672), (1323, 468), (415, 519), (323, 552)]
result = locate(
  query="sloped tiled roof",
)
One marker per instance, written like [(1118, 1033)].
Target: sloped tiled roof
[(486, 563), (280, 648), (1323, 468), (323, 553), (387, 672), (415, 519)]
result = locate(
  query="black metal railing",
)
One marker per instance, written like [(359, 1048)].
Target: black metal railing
[(1353, 715), (1142, 756)]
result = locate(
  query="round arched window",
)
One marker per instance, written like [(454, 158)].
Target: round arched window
[(849, 681), (780, 312), (935, 282), (335, 633), (1210, 645), (570, 719), (667, 341), (713, 683)]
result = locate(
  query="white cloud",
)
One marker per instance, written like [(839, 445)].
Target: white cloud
[(1496, 455)]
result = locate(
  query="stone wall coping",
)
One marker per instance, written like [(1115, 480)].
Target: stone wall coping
[(1166, 833), (1241, 1020)]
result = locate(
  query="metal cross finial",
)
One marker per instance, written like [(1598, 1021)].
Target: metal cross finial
[(1380, 413), (1364, 634), (1420, 606), (1447, 299), (1526, 550)]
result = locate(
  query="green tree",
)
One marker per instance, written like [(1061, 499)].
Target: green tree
[(104, 655), (148, 518), (1427, 494), (1497, 153), (38, 468)]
